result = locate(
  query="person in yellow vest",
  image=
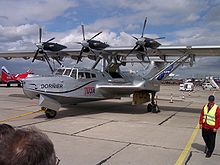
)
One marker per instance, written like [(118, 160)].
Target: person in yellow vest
[(209, 123)]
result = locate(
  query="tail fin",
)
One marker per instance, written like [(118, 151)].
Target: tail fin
[(5, 74)]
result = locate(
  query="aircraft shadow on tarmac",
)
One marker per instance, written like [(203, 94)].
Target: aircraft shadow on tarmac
[(18, 95), (113, 107), (180, 109), (5, 86)]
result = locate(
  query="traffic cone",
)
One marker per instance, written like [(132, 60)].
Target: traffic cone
[(171, 98)]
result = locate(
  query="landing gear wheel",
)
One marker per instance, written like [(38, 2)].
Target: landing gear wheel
[(8, 84), (50, 113), (152, 107), (155, 108), (149, 107)]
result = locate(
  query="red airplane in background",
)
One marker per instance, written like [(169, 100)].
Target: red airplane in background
[(8, 78)]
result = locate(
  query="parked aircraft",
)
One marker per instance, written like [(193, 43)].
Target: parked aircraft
[(8, 78), (77, 85)]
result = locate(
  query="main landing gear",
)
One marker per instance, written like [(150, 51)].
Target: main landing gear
[(153, 107), (49, 113)]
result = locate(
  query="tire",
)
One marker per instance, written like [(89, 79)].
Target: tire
[(50, 113), (149, 107), (8, 84), (155, 109)]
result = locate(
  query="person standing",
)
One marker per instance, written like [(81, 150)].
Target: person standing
[(209, 123)]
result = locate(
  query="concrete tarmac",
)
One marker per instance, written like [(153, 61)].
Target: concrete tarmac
[(114, 132)]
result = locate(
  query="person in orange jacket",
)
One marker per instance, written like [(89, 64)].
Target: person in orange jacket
[(209, 123)]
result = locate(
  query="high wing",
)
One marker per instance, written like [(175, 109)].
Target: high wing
[(123, 51), (170, 50)]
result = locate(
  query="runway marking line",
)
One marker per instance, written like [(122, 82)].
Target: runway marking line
[(188, 146), (22, 115)]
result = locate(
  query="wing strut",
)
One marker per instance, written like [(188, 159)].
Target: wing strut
[(162, 74)]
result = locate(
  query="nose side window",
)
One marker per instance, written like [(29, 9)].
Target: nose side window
[(67, 72)]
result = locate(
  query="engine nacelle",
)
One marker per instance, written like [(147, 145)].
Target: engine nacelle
[(26, 58)]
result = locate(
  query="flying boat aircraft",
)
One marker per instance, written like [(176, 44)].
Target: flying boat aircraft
[(73, 85)]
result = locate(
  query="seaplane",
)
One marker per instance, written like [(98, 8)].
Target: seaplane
[(74, 85)]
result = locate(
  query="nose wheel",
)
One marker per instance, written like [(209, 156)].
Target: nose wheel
[(153, 107), (49, 113)]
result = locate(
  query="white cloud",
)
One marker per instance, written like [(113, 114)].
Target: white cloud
[(196, 36), (160, 12), (26, 11), (15, 33)]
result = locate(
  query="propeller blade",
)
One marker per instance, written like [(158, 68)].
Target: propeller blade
[(40, 34), (132, 50), (95, 36), (145, 21), (58, 61), (80, 55), (35, 56), (92, 51), (46, 56), (83, 32), (135, 37), (159, 38), (47, 59), (50, 40)]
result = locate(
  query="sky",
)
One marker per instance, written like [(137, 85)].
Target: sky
[(188, 22)]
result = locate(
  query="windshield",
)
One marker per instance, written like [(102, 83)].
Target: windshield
[(59, 71)]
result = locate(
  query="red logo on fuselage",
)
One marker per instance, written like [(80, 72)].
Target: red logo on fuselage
[(89, 91)]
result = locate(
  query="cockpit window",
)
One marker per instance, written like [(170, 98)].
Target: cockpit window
[(67, 72), (73, 74), (59, 71)]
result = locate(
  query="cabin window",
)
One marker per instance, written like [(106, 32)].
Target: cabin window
[(59, 72), (67, 72), (87, 75), (93, 75), (81, 75), (73, 74)]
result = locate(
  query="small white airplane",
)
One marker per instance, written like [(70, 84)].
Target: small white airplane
[(77, 85)]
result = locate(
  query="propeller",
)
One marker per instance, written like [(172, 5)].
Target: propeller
[(144, 42), (85, 44), (40, 46)]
